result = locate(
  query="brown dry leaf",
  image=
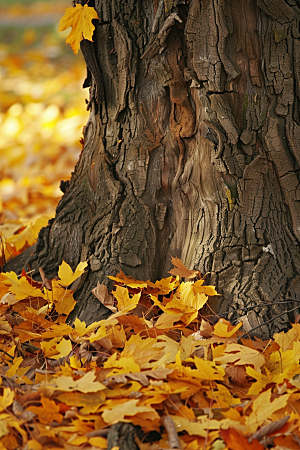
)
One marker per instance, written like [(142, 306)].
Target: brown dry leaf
[(237, 374), (271, 428), (101, 292), (236, 441), (181, 271)]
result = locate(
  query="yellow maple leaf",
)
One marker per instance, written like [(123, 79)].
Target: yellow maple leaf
[(125, 302), (225, 329), (142, 350), (241, 355), (263, 408), (84, 384), (223, 397), (123, 365), (57, 330), (81, 329), (207, 290), (261, 381), (285, 365), (66, 274), (166, 321), (7, 422), (56, 348), (80, 20), (24, 289), (197, 427), (119, 411), (186, 301), (208, 370)]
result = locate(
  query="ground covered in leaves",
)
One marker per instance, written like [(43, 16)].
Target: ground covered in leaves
[(153, 363)]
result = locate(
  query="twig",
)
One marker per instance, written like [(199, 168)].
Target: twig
[(253, 306), (169, 425), (46, 282), (269, 321)]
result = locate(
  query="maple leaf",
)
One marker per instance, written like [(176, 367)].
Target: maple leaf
[(224, 328), (114, 412), (285, 365), (125, 302), (236, 441), (180, 269), (223, 397), (142, 350), (186, 301), (197, 427), (89, 402), (56, 348), (7, 422), (80, 20), (13, 369), (241, 355), (101, 292), (66, 274), (208, 370), (23, 289), (123, 365), (261, 381), (48, 412), (84, 384), (263, 408)]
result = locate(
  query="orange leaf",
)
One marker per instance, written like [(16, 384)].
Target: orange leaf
[(236, 441), (181, 270), (48, 412)]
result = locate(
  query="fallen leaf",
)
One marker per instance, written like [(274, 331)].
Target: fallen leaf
[(65, 273), (84, 384), (263, 408), (114, 413), (236, 441)]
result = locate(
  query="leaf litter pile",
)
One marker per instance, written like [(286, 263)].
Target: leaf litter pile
[(154, 363)]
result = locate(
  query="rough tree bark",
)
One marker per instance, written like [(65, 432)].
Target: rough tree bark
[(191, 149)]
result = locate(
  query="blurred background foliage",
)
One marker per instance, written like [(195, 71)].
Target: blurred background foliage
[(42, 114)]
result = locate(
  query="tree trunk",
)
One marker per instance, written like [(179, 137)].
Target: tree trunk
[(191, 150)]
